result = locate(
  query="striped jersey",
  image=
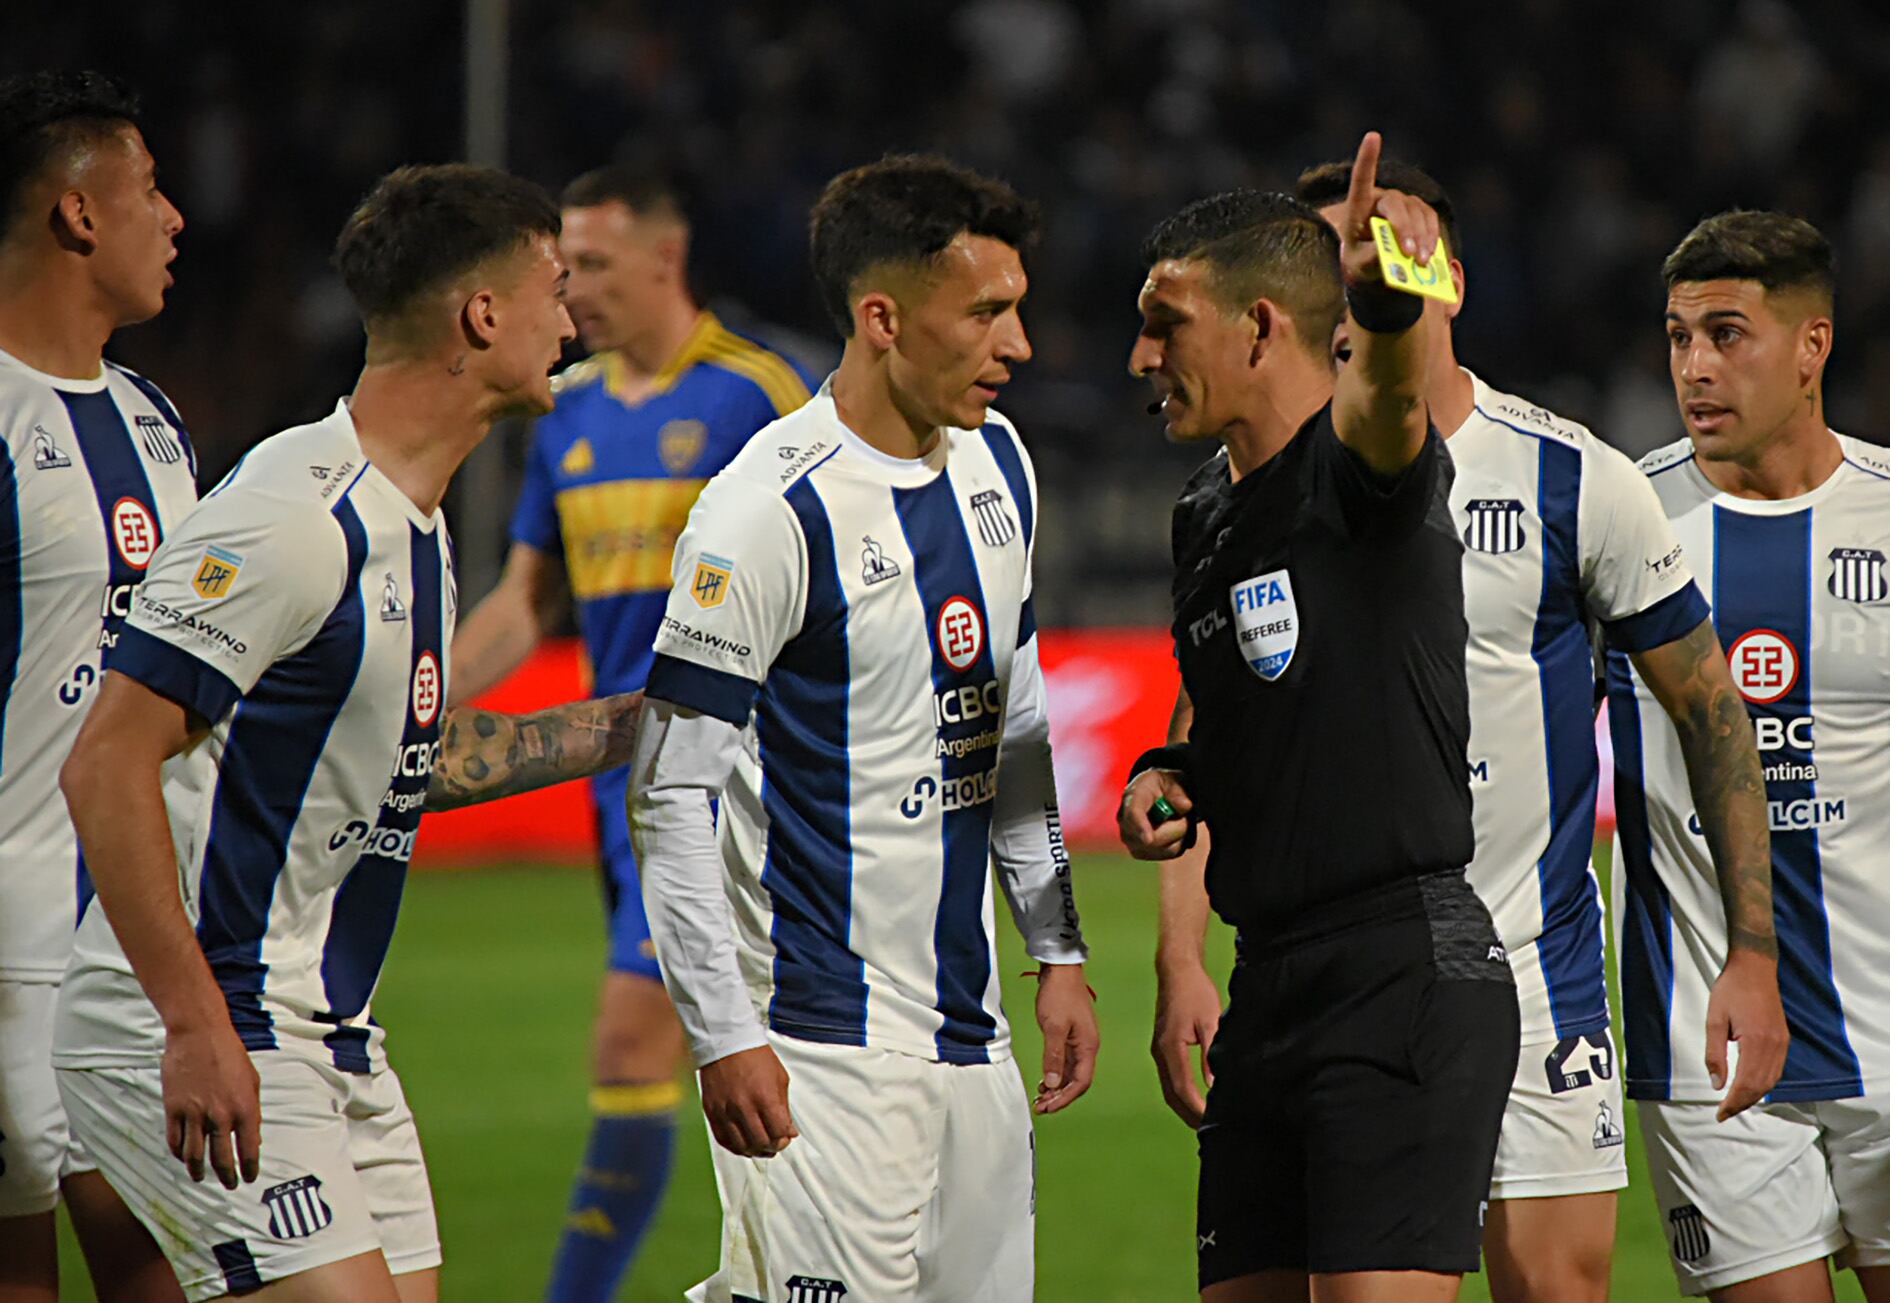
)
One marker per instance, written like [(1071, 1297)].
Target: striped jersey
[(1559, 529), (609, 483), (94, 474), (304, 611), (872, 617), (1801, 601)]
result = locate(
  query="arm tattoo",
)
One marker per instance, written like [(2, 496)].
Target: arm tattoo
[(1690, 678), (485, 755)]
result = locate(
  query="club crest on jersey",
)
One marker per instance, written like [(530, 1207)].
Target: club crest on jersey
[(1266, 620), (135, 530), (426, 690), (1764, 665), (960, 633), (710, 585), (159, 444), (46, 454), (297, 1209), (1495, 525), (216, 573), (392, 609), (995, 525), (815, 1289), (875, 566), (680, 443), (1857, 575)]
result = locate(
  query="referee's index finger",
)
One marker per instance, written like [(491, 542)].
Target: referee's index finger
[(1358, 199)]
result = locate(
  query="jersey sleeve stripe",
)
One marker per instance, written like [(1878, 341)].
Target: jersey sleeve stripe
[(776, 379), (725, 696), (173, 673), (275, 744), (805, 730), (1673, 616), (1646, 921), (12, 599), (1003, 446)]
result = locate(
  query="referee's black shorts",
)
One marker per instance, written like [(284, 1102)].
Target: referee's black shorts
[(1360, 1076)]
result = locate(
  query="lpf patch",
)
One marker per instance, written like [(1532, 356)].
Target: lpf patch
[(1857, 575), (135, 530), (709, 586), (1764, 665), (1266, 621), (426, 690), (680, 443), (216, 573)]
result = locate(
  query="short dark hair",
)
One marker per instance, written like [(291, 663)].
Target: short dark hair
[(905, 209), (42, 112), (645, 191), (1261, 245), (420, 227), (1779, 251), (1329, 183)]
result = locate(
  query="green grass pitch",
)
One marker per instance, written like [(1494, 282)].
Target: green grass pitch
[(488, 999)]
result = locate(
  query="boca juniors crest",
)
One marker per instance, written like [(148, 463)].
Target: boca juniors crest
[(1857, 574), (1266, 621)]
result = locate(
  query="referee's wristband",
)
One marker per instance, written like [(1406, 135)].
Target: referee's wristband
[(1382, 310), (1169, 757)]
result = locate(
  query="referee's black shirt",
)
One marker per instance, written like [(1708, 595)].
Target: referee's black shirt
[(1347, 771)]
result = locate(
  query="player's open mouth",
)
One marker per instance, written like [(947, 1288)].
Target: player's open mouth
[(987, 393), (1707, 416)]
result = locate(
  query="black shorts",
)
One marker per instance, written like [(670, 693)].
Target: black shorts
[(1360, 1076)]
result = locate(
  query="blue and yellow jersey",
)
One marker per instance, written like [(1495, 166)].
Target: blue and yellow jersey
[(609, 482)]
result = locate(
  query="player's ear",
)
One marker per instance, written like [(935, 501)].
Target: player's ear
[(72, 222), (1814, 348), (479, 318), (1264, 319), (1456, 278), (876, 319)]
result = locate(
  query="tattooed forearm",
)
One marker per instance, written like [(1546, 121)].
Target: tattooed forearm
[(1691, 681), (485, 755)]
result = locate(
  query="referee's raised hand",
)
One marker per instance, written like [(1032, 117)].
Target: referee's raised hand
[(1414, 220)]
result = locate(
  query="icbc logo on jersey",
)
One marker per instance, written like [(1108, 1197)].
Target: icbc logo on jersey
[(135, 531), (426, 690), (960, 633), (1764, 665)]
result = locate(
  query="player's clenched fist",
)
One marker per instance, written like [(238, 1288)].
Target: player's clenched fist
[(745, 1097), (1150, 830)]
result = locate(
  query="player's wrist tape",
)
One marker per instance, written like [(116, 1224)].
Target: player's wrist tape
[(1169, 757), (1382, 310)]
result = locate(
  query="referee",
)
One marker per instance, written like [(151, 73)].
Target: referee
[(1361, 1069)]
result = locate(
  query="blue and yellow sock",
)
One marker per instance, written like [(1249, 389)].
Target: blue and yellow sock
[(626, 1166)]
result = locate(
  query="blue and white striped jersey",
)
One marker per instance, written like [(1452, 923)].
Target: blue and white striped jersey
[(1558, 529), (873, 615), (1802, 604), (93, 475), (304, 610)]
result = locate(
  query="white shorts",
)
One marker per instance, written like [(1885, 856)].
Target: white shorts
[(1563, 1129), (342, 1175), (37, 1151), (910, 1180), (1779, 1185)]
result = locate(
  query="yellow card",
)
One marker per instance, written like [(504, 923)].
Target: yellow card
[(1432, 280)]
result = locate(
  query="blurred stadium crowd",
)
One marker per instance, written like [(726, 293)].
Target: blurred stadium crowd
[(1580, 143)]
